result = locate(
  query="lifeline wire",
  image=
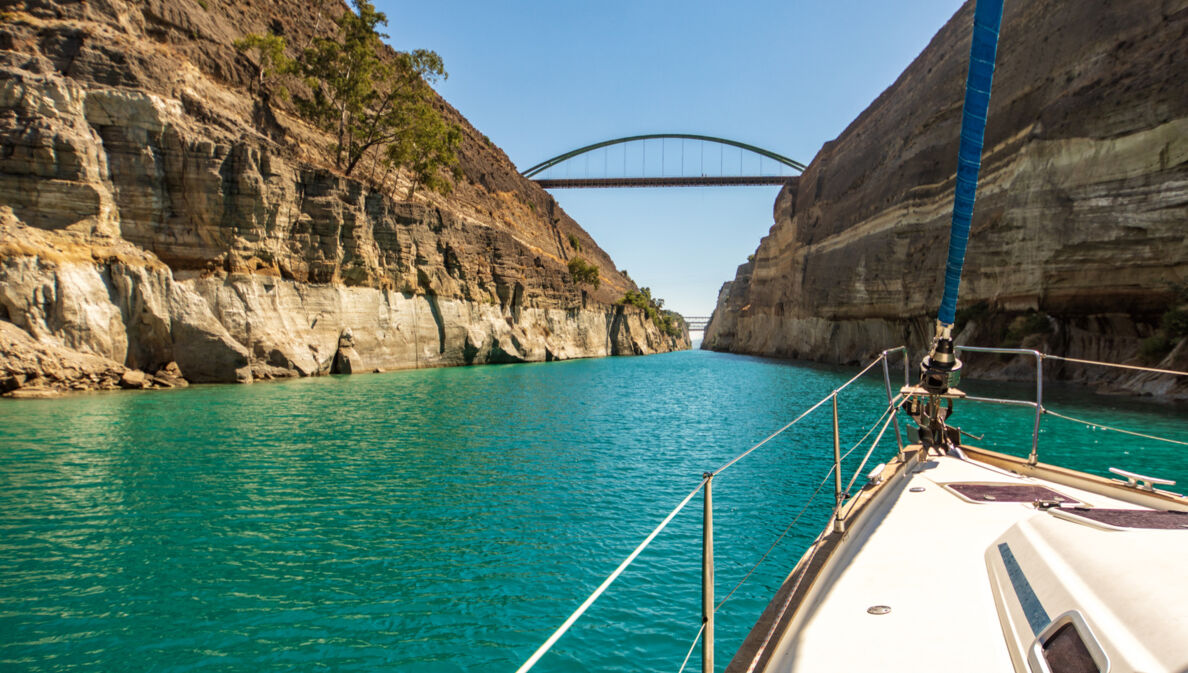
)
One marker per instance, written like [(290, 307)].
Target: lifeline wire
[(1111, 364), (796, 420), (1106, 427), (812, 551), (565, 626), (548, 644), (806, 504), (773, 544), (692, 647), (868, 452)]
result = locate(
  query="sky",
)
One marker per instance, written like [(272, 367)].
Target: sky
[(542, 78)]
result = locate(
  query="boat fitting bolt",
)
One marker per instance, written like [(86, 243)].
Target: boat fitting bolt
[(879, 609)]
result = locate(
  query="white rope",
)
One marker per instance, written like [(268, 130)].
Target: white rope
[(548, 644), (1111, 364), (868, 452), (692, 647), (799, 514), (565, 626), (777, 541), (1106, 427), (796, 420)]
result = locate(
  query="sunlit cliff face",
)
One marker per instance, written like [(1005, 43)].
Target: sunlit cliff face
[(1079, 214)]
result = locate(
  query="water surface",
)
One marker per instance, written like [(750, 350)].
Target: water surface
[(439, 520)]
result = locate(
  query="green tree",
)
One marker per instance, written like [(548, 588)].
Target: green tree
[(427, 145), (374, 104), (271, 61), (584, 272), (366, 101)]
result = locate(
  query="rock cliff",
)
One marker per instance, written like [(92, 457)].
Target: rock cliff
[(160, 222), (1079, 243)]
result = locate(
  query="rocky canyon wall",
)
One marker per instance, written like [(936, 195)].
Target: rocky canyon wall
[(161, 222), (1079, 244)]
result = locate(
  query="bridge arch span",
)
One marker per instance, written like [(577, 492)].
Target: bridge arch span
[(549, 163)]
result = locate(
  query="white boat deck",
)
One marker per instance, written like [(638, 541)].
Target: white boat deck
[(925, 557)]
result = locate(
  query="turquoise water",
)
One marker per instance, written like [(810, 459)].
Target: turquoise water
[(438, 520)]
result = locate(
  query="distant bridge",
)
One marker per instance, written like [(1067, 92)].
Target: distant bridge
[(697, 323), (673, 167)]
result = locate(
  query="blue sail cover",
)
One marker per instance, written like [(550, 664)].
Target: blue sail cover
[(987, 20)]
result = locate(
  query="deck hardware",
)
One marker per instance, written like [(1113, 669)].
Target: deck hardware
[(916, 489), (989, 497), (1046, 504), (1033, 457), (971, 435), (874, 478), (1140, 481), (879, 609)]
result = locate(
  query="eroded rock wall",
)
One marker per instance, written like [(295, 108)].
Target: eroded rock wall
[(1080, 233), (159, 213)]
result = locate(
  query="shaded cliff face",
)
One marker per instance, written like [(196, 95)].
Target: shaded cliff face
[(1079, 233), (155, 211)]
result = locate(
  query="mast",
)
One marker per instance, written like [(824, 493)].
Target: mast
[(940, 365), (940, 369)]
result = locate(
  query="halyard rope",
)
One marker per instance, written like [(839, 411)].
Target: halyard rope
[(1106, 427), (1111, 364)]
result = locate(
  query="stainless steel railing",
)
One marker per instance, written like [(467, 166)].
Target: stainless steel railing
[(1039, 390)]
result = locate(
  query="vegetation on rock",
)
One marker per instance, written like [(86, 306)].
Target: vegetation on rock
[(584, 272), (1173, 326), (377, 106), (668, 322)]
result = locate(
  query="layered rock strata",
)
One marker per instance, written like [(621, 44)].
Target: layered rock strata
[(157, 214), (1080, 233)]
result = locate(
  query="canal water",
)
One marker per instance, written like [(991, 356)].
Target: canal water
[(441, 520)]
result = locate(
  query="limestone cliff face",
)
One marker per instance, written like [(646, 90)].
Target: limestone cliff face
[(1080, 232), (153, 210)]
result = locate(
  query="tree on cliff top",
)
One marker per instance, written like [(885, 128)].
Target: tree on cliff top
[(368, 102)]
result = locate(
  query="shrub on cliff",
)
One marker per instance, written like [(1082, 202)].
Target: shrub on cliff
[(668, 322), (584, 272), (382, 107)]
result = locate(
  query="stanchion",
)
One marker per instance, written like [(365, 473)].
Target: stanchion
[(707, 578), (839, 525)]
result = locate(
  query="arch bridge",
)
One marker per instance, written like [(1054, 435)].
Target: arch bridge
[(655, 160)]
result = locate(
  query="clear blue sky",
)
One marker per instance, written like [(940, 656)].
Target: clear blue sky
[(541, 78)]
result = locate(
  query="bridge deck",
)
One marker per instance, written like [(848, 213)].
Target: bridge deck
[(703, 181)]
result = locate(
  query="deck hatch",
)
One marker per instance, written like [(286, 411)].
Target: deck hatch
[(1037, 616), (983, 492), (1133, 518), (1065, 652), (1067, 645)]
